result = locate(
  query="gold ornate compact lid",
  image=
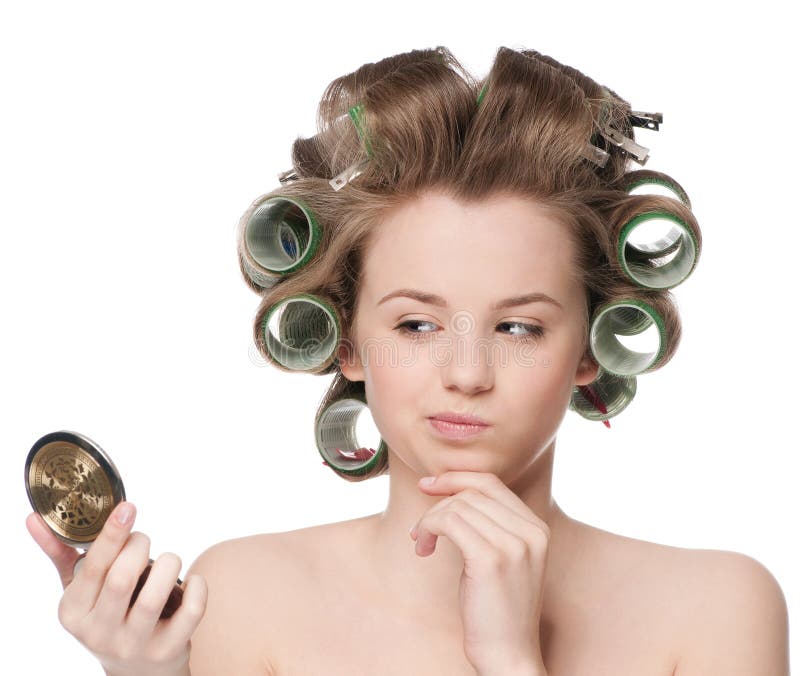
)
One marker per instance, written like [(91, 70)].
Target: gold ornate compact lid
[(73, 484)]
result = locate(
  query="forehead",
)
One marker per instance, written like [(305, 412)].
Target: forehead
[(487, 248)]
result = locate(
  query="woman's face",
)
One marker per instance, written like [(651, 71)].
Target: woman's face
[(513, 366)]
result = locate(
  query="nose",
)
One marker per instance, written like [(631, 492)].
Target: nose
[(467, 362)]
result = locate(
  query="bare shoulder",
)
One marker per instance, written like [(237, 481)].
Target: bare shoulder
[(725, 611), (736, 616), (714, 611), (247, 585)]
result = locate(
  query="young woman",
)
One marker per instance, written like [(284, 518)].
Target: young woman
[(470, 247)]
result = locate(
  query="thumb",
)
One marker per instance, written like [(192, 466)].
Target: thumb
[(62, 555)]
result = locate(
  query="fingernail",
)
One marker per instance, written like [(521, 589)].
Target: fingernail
[(124, 513), (427, 481), (413, 531)]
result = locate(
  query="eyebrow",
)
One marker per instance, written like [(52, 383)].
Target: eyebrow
[(433, 299)]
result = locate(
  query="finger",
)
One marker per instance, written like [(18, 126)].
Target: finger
[(487, 483), (493, 537), (115, 595), (524, 530), (144, 614), (62, 555), (179, 628), (463, 534), (102, 553)]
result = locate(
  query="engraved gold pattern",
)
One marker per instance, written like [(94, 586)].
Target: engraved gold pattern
[(70, 490)]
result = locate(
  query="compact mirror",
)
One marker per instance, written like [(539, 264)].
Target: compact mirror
[(73, 484)]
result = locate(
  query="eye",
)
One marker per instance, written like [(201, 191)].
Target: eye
[(532, 331), (403, 328)]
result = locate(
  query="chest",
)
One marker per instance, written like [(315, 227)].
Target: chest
[(335, 636)]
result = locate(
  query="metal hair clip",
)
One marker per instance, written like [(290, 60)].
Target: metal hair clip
[(645, 120), (639, 153), (594, 154), (288, 176), (354, 170)]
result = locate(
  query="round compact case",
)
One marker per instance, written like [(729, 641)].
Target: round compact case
[(73, 484)]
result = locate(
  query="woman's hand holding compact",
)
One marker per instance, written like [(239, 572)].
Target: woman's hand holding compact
[(504, 545), (94, 607)]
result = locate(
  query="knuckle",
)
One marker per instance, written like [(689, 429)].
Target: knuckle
[(95, 638), (451, 518), (92, 569), (66, 615), (118, 582), (125, 651), (458, 503), (194, 609), (543, 535), (518, 550), (150, 604)]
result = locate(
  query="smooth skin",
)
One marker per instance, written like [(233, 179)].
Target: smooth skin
[(94, 607)]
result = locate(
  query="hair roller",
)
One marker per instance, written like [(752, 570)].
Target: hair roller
[(337, 440), (647, 181), (606, 396), (299, 333), (657, 239), (278, 235), (630, 317)]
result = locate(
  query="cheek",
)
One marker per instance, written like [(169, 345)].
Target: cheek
[(543, 384), (390, 390)]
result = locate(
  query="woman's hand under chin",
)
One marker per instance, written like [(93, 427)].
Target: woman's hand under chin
[(504, 545)]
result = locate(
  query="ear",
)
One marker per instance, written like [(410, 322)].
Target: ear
[(349, 362), (587, 369)]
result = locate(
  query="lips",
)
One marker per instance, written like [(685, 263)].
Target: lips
[(458, 419)]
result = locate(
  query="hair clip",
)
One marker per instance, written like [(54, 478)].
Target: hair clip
[(639, 153), (288, 176), (594, 400), (338, 182), (482, 93), (646, 120), (353, 171), (594, 154)]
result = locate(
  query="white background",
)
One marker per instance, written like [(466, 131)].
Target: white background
[(133, 138)]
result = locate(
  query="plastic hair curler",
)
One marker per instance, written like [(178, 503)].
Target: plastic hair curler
[(337, 441), (73, 484), (301, 333), (658, 249), (278, 236), (626, 317), (647, 181), (606, 396)]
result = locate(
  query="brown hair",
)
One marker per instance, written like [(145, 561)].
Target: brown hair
[(428, 124)]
